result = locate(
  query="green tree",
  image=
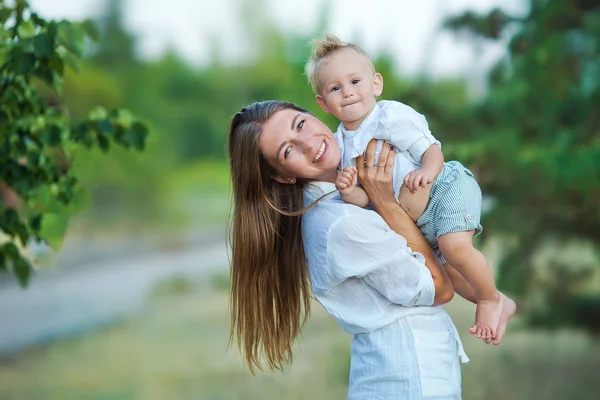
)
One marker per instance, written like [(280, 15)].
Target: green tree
[(37, 138), (535, 143)]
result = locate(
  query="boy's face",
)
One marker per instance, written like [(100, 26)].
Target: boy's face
[(348, 87)]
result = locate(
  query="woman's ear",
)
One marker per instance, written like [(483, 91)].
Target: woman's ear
[(377, 84), (281, 179), (322, 103)]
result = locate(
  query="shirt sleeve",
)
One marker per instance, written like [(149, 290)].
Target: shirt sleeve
[(364, 247), (409, 130)]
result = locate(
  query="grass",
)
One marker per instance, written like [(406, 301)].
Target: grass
[(177, 349)]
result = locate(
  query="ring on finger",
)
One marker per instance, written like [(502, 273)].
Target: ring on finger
[(381, 165)]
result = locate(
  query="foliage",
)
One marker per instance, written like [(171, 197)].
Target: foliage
[(38, 141), (535, 143)]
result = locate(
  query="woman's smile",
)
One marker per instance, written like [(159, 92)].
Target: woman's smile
[(321, 153)]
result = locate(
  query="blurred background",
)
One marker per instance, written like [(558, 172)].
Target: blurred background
[(134, 306)]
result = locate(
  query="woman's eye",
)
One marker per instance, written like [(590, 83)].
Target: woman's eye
[(300, 125), (287, 152)]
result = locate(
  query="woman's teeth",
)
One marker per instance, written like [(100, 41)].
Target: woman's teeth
[(320, 153)]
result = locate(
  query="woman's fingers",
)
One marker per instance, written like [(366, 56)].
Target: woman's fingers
[(383, 155), (370, 153), (391, 158)]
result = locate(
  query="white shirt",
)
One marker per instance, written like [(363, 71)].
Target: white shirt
[(397, 124), (362, 272)]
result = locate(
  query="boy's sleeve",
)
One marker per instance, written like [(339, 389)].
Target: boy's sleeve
[(408, 130)]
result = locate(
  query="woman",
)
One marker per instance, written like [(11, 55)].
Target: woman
[(289, 225)]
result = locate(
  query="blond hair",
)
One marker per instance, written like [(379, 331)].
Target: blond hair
[(323, 48)]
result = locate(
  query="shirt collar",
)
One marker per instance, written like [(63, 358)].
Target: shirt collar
[(318, 189), (373, 117)]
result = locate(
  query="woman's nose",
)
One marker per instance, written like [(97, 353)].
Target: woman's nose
[(304, 144)]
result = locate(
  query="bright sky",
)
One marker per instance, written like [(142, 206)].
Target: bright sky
[(408, 29)]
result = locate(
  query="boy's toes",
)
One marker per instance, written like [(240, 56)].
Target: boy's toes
[(473, 329), (488, 335), (479, 332)]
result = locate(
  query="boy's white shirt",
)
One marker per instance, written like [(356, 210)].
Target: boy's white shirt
[(397, 124)]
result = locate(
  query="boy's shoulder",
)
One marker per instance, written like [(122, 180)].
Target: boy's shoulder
[(397, 110)]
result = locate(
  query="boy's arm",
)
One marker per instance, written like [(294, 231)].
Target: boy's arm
[(357, 196), (432, 162)]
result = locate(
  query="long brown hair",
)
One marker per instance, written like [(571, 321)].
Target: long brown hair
[(270, 288)]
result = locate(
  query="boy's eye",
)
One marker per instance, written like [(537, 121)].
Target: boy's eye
[(335, 88), (287, 152), (355, 81)]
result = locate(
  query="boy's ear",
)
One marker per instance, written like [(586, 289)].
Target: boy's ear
[(322, 103), (377, 84)]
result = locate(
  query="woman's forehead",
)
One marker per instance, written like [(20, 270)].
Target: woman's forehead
[(275, 131)]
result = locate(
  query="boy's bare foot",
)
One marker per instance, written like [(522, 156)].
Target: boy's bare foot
[(487, 318), (508, 310)]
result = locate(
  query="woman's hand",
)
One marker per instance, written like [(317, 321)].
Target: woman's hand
[(376, 179)]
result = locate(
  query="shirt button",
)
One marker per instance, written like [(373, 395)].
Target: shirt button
[(468, 217)]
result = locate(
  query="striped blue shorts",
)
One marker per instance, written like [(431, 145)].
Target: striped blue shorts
[(454, 205)]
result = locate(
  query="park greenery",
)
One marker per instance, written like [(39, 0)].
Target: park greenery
[(532, 138), (38, 140)]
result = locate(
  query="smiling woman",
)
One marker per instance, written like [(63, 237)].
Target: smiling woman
[(292, 233), (302, 150)]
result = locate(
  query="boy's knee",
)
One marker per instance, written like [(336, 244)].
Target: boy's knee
[(456, 244)]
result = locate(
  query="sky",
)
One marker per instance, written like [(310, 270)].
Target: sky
[(407, 29)]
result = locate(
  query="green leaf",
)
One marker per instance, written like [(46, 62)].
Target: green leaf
[(105, 127), (26, 30), (103, 143), (5, 13), (23, 233), (51, 136), (35, 222), (98, 113), (43, 45), (91, 29), (9, 221), (123, 117), (38, 20), (3, 260), (53, 229), (10, 250), (23, 63), (22, 270), (137, 135), (72, 36), (71, 60)]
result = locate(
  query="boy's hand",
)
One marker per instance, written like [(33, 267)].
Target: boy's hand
[(418, 178), (346, 180)]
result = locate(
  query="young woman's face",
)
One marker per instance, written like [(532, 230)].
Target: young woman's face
[(299, 145)]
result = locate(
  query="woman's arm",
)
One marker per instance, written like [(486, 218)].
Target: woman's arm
[(377, 182)]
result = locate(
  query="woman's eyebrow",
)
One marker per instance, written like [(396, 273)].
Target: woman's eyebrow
[(281, 146), (294, 120)]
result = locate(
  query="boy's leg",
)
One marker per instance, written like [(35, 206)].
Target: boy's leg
[(457, 248), (464, 290)]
